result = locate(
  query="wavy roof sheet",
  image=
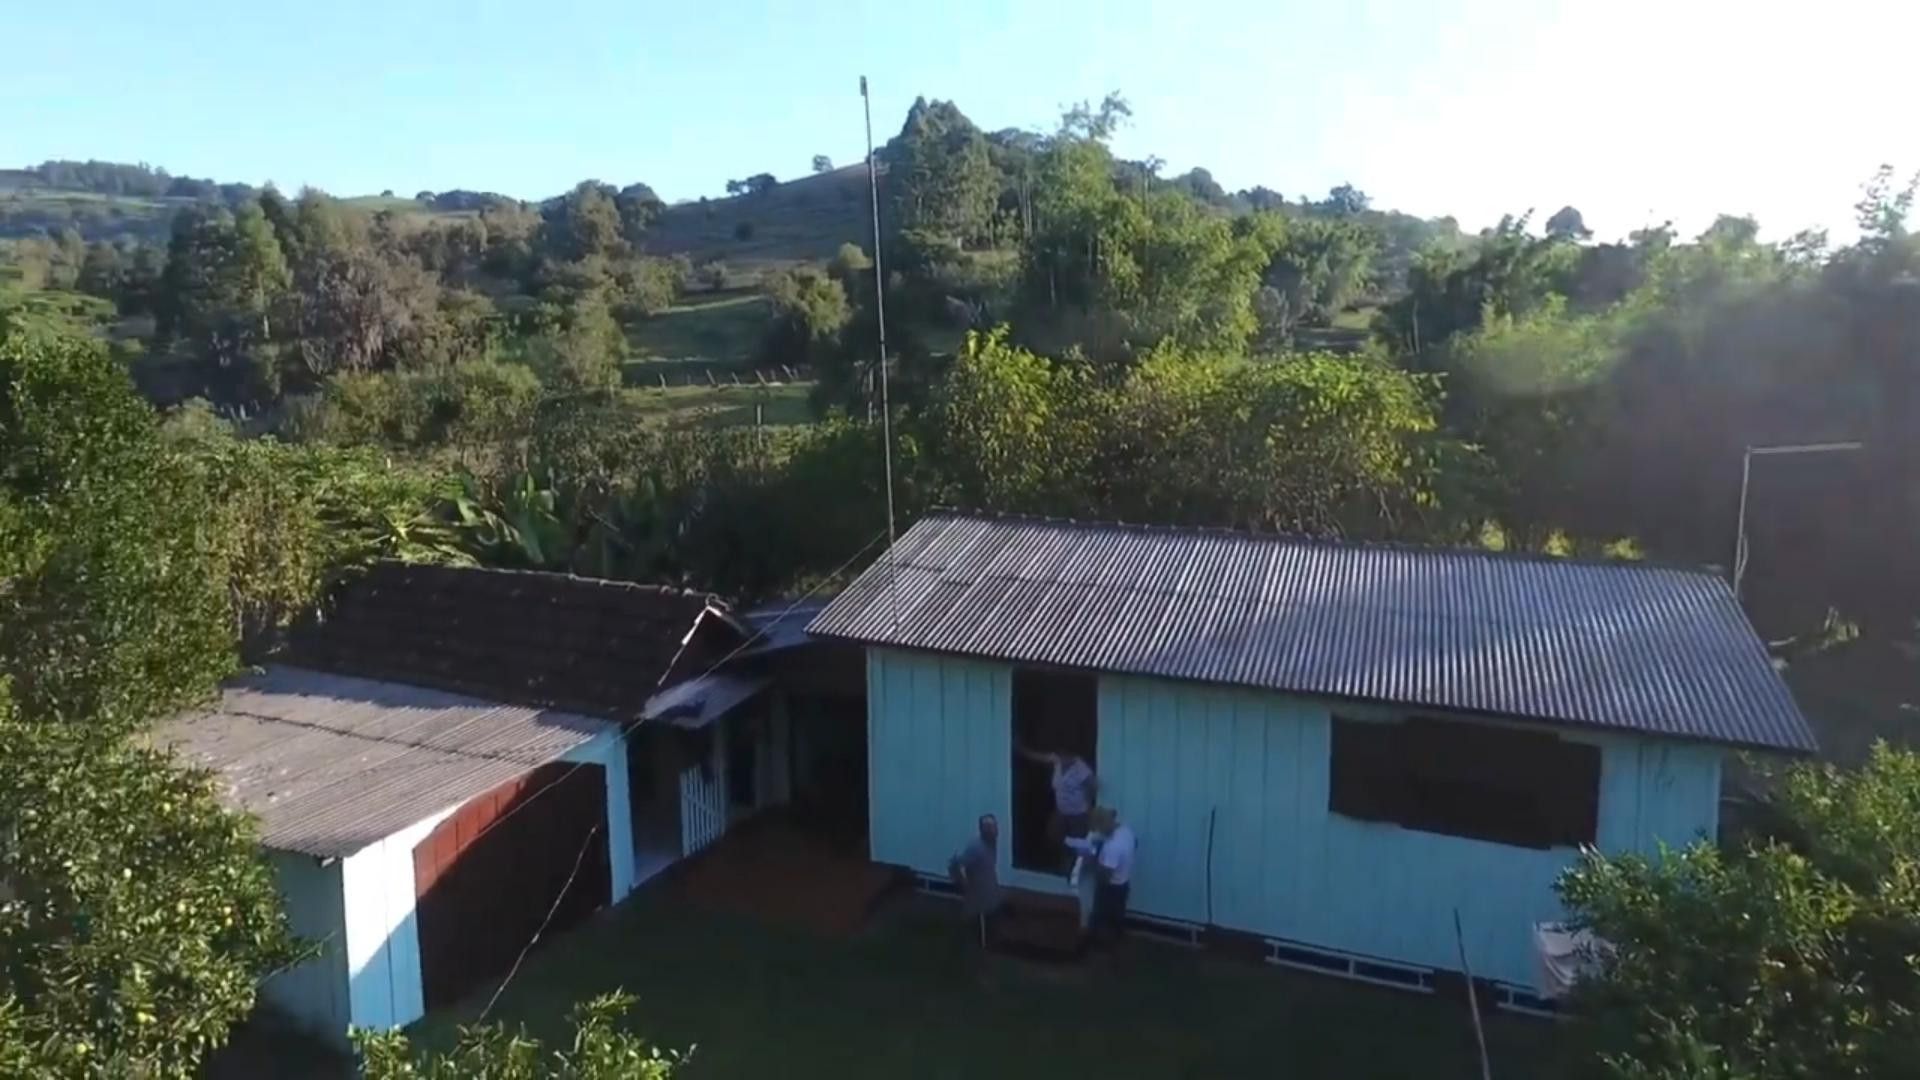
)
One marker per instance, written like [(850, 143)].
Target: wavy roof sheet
[(1609, 645)]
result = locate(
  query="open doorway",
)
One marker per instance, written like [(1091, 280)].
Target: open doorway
[(1054, 713), (653, 793)]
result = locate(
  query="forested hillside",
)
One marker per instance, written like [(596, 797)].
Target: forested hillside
[(688, 392), (215, 399)]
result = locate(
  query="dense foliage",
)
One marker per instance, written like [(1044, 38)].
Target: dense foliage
[(136, 915), (601, 1050), (1794, 955), (1313, 443)]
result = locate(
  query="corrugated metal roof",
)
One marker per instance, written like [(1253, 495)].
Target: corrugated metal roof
[(332, 763), (1613, 645)]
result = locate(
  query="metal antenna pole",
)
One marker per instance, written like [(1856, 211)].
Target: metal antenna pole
[(880, 319), (1746, 480)]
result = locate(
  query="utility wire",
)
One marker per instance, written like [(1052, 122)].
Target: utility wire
[(576, 766), (578, 861), (737, 650)]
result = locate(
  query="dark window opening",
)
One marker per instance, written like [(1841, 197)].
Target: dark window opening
[(1054, 712), (1508, 786)]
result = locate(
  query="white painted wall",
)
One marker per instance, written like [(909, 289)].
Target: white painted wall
[(312, 994), (362, 906), (609, 751), (383, 939)]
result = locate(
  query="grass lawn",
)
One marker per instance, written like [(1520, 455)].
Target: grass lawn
[(721, 328), (804, 219), (910, 998), (1349, 332), (785, 403)]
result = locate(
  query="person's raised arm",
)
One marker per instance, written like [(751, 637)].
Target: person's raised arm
[(1034, 755)]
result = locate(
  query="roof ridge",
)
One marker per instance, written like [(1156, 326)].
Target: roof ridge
[(1339, 542)]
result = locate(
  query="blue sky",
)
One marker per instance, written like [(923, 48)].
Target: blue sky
[(1633, 110)]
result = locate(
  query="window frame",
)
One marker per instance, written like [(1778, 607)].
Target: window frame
[(1441, 775)]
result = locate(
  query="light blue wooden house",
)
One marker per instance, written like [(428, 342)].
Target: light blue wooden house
[(1332, 747)]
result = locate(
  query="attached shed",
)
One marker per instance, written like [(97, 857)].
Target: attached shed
[(1333, 747), (420, 837), (443, 757)]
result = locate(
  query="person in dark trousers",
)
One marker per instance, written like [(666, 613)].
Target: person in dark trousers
[(1113, 870), (975, 870)]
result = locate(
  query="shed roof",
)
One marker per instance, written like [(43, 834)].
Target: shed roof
[(1610, 645), (332, 763), (581, 644)]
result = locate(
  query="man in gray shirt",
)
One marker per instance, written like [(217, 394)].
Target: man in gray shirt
[(976, 872)]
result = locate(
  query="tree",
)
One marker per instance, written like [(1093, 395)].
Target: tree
[(580, 347), (941, 184), (599, 1050), (1509, 273), (586, 222), (357, 310), (1116, 273), (1776, 957), (225, 275), (1316, 268), (757, 184), (848, 263), (822, 163), (1311, 443), (1347, 201), (1567, 224), (1261, 199), (110, 612), (140, 914), (1200, 184), (809, 310), (639, 208)]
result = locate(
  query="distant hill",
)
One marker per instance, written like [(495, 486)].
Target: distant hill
[(804, 219)]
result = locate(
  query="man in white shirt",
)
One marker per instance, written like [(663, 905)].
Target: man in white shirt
[(1114, 872)]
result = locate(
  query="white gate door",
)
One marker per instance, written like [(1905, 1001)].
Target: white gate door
[(703, 799)]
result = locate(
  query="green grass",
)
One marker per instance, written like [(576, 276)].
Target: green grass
[(805, 219), (715, 328), (726, 406), (911, 998)]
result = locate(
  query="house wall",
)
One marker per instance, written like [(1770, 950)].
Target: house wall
[(376, 886), (1226, 790), (312, 994), (939, 751)]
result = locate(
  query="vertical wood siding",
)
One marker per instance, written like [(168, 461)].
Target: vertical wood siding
[(939, 731), (1226, 790), (313, 993)]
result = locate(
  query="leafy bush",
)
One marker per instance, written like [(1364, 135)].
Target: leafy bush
[(473, 404), (1313, 442), (600, 1051), (1796, 956), (138, 914)]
